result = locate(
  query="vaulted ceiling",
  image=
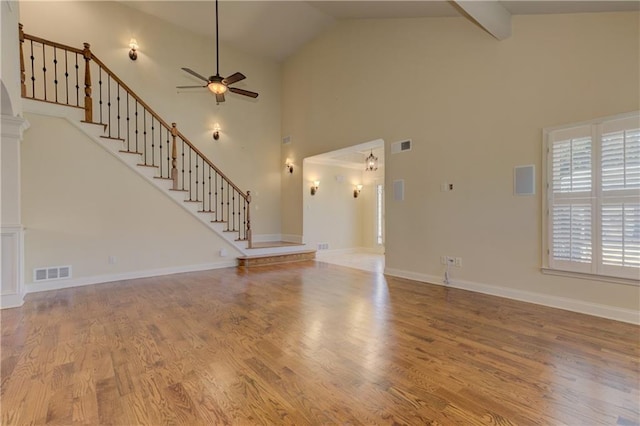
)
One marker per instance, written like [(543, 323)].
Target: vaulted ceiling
[(276, 29)]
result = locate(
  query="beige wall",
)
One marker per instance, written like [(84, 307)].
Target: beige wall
[(332, 216), (474, 108), (249, 148), (81, 205)]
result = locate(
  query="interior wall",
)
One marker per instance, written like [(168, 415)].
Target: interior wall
[(474, 107), (249, 145), (332, 216), (81, 206)]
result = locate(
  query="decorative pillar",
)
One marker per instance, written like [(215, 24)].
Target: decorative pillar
[(12, 231)]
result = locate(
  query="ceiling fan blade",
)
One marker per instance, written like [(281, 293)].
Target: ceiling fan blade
[(234, 78), (195, 74), (190, 87), (243, 92), (219, 97)]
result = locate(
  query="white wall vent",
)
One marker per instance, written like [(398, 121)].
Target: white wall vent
[(286, 140), (52, 273), (401, 146)]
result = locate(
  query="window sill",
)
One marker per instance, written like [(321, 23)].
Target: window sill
[(594, 277)]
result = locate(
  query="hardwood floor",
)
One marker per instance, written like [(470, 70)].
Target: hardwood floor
[(309, 343)]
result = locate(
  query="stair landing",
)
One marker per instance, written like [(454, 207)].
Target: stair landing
[(275, 258)]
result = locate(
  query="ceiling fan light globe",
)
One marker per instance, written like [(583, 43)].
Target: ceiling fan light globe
[(217, 87)]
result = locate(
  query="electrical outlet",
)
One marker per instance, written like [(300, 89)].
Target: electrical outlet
[(451, 260), (113, 260), (458, 262)]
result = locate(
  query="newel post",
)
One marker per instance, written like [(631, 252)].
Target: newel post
[(23, 86), (250, 242), (174, 156), (88, 102)]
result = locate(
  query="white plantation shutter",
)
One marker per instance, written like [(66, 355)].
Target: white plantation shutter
[(593, 197)]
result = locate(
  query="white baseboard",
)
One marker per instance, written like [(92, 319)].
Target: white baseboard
[(100, 279), (595, 309), (264, 238), (11, 301), (351, 250), (291, 238)]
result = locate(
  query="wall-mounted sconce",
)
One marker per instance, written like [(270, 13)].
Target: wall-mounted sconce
[(216, 131), (315, 186), (357, 190), (288, 165), (133, 53)]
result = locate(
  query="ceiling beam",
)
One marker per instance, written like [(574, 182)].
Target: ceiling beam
[(490, 15)]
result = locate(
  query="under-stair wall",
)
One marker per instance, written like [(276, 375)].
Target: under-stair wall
[(83, 208)]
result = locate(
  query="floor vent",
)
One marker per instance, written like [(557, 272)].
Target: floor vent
[(52, 273), (401, 146)]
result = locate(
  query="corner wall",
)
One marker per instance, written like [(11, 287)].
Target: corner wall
[(474, 108)]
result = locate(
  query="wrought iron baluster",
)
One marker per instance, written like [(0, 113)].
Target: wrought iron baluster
[(190, 192), (109, 104), (44, 72), (77, 82), (118, 116), (66, 75), (182, 164), (55, 72), (136, 131), (100, 92), (128, 126), (33, 72), (210, 188), (144, 134), (153, 144)]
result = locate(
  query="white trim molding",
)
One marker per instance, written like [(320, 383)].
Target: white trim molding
[(12, 284), (605, 311), (101, 279)]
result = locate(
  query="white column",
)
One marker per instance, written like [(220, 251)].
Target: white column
[(12, 248)]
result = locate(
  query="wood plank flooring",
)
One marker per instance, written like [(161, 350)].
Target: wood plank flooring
[(306, 344)]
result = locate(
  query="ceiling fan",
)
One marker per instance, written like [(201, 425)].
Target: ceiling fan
[(217, 84)]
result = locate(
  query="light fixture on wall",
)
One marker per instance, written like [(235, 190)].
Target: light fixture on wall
[(216, 131), (371, 162), (288, 165), (133, 53), (357, 190), (314, 187)]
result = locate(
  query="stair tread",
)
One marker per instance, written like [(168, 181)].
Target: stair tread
[(272, 244), (262, 256), (147, 165), (124, 151), (161, 177), (112, 138)]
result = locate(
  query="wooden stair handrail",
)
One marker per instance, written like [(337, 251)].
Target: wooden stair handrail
[(88, 55), (197, 151), (164, 123), (52, 43)]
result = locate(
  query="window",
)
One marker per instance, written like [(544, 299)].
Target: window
[(379, 214), (592, 202)]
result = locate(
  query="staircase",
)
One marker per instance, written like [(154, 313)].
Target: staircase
[(58, 80)]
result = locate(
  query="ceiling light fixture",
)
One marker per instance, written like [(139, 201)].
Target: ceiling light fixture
[(371, 162)]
